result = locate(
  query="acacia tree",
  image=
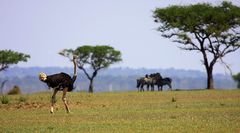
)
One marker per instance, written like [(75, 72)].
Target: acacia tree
[(9, 57), (94, 57), (213, 31)]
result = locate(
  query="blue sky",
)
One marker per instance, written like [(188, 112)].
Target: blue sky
[(42, 28)]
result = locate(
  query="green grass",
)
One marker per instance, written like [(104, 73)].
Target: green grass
[(215, 111)]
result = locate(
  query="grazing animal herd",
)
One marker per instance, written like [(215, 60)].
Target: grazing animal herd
[(152, 80)]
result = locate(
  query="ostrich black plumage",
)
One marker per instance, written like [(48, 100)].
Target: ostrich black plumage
[(60, 82)]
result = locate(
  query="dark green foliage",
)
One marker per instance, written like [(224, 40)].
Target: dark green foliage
[(9, 57), (95, 57), (4, 99), (22, 99), (237, 79), (203, 18), (211, 30), (174, 99), (14, 91)]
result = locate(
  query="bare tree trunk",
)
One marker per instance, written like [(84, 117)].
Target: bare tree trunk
[(90, 90), (208, 67), (91, 81), (210, 83)]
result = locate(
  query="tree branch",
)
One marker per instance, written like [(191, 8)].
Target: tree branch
[(85, 72), (169, 35), (189, 48), (3, 67), (211, 50), (226, 66)]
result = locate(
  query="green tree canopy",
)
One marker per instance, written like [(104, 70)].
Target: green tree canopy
[(213, 31), (95, 57), (237, 79), (9, 57)]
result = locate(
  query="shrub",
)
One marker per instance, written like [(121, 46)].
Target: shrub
[(4, 99), (22, 99), (14, 91), (174, 99)]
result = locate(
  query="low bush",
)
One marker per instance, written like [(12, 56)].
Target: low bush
[(22, 99), (15, 91), (4, 99)]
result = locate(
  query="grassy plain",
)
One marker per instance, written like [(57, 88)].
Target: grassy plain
[(210, 111)]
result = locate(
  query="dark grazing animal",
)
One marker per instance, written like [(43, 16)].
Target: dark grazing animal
[(60, 82), (153, 79), (160, 81), (164, 81), (148, 80)]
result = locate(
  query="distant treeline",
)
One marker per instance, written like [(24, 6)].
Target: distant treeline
[(112, 79)]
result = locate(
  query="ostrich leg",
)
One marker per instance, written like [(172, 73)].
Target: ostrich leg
[(53, 100), (64, 99)]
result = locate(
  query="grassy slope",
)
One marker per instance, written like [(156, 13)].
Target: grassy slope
[(176, 111)]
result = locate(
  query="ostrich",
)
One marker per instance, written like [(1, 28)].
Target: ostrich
[(60, 82)]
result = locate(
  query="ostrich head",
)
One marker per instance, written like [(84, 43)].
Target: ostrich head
[(42, 76)]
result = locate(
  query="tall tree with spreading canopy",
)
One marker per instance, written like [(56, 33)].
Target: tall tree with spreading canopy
[(213, 31), (9, 57), (94, 57)]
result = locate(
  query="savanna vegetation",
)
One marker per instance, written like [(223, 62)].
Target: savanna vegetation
[(8, 58), (236, 77), (210, 30), (167, 111), (93, 57)]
